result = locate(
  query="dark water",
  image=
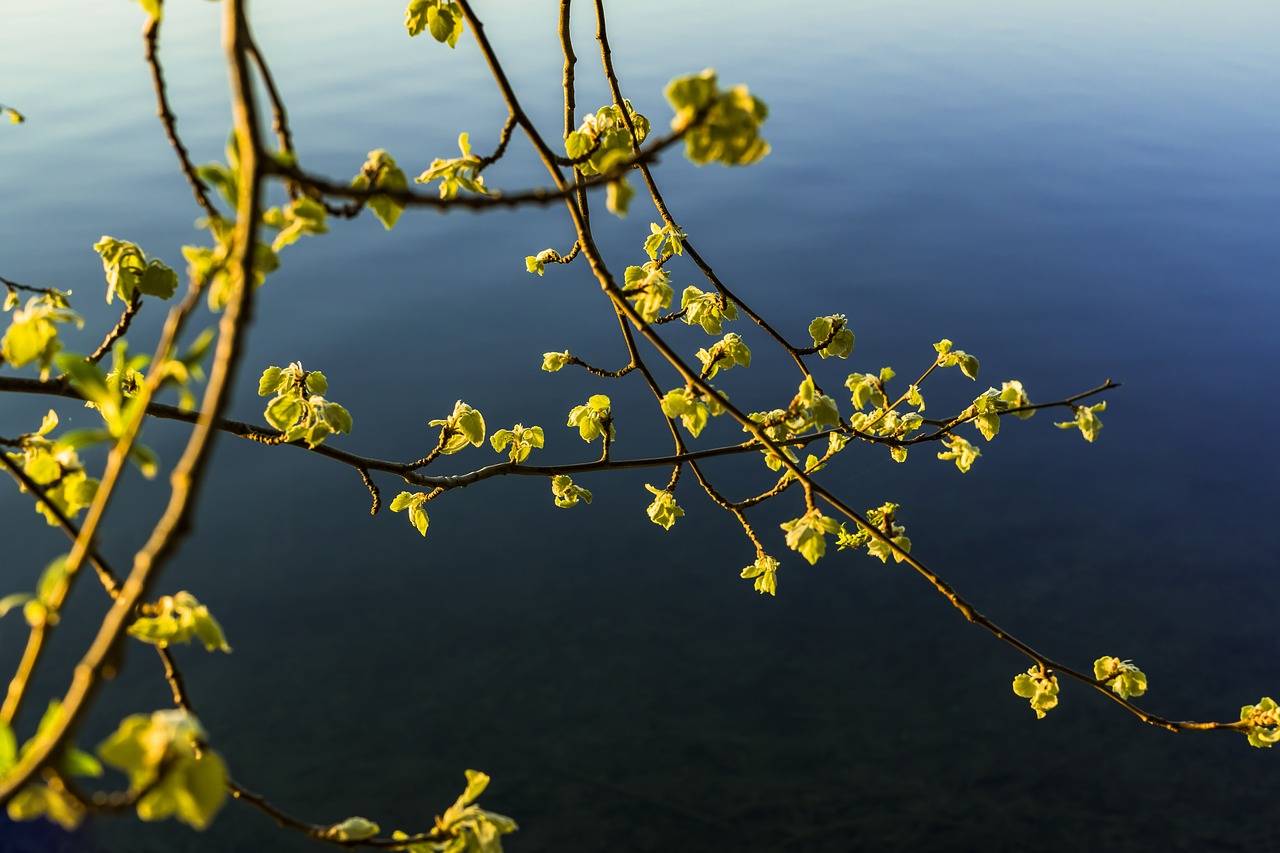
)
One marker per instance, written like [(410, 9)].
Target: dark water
[(1071, 193)]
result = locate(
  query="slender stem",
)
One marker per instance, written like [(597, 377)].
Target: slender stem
[(151, 51), (99, 661), (566, 47)]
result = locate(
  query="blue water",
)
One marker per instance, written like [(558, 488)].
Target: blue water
[(1071, 192)]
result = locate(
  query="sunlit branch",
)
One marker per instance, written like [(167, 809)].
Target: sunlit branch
[(495, 199), (606, 56), (186, 478), (122, 326)]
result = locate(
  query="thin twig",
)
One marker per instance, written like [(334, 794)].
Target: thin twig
[(151, 51)]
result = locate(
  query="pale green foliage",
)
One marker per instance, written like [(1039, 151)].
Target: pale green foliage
[(617, 197), (32, 335), (301, 216), (413, 502), (947, 356), (224, 178), (463, 426), (566, 493), (37, 800), (890, 424), (605, 135), (708, 310), (469, 828), (986, 413), (209, 265), (522, 440), (458, 173), (56, 467), (108, 398), (765, 572), (183, 371), (299, 409), (1042, 691), (664, 240), (663, 511), (1086, 420), (441, 18), (989, 406), (807, 534), (778, 428), (729, 131), (649, 288), (553, 361), (868, 389), (730, 351), (160, 754), (129, 272), (125, 378), (811, 409), (42, 608), (538, 263), (353, 829), (1124, 679), (1013, 394), (380, 172), (602, 142), (113, 394), (594, 418), (178, 619), (1263, 722), (835, 332), (915, 398), (40, 801), (884, 519), (691, 408), (960, 450)]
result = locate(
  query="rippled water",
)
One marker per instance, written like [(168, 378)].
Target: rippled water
[(1071, 193)]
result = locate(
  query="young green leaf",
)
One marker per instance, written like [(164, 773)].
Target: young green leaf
[(765, 572), (708, 310), (179, 619), (380, 172), (720, 127), (1086, 420), (960, 450), (730, 351), (1042, 691), (1121, 676), (663, 511), (521, 439), (1263, 722), (806, 534), (553, 361), (352, 829), (832, 335), (566, 494), (463, 426), (593, 418), (413, 502), (649, 288), (459, 173), (160, 755), (662, 240)]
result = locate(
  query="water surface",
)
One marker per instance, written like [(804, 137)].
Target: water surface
[(1072, 193)]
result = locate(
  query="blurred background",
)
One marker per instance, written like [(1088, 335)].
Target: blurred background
[(1071, 192)]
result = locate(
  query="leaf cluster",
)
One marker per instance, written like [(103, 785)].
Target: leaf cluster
[(299, 409)]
